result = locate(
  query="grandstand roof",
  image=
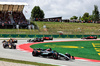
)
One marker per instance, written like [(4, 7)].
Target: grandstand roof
[(12, 6), (12, 3)]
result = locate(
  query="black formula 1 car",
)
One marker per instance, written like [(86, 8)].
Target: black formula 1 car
[(48, 38), (8, 45), (90, 37), (51, 54), (35, 40)]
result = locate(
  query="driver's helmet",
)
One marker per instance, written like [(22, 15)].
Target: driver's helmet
[(11, 40), (48, 49)]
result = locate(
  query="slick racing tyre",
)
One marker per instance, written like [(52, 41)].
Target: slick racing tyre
[(51, 38), (4, 46), (35, 53), (15, 41), (14, 47), (55, 55)]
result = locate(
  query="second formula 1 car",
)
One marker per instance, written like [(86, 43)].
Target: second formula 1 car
[(35, 40), (48, 38), (90, 37), (51, 54)]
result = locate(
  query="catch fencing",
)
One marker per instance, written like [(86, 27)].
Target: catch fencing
[(34, 36)]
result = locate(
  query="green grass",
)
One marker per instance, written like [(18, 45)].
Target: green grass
[(70, 28), (54, 28), (20, 31), (25, 62), (87, 52)]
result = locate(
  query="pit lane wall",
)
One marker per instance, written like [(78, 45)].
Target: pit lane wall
[(34, 36)]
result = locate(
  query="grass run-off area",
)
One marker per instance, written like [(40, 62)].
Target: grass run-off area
[(25, 62), (53, 28), (83, 49)]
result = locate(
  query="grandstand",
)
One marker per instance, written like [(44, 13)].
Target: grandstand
[(11, 14)]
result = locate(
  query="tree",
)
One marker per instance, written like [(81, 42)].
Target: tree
[(86, 16), (90, 17), (74, 17), (37, 13), (95, 13), (71, 18)]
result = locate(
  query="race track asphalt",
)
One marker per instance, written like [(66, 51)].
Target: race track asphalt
[(26, 56)]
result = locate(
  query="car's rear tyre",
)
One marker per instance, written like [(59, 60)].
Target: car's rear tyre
[(55, 55), (51, 38), (4, 46), (35, 53), (3, 41), (15, 41)]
